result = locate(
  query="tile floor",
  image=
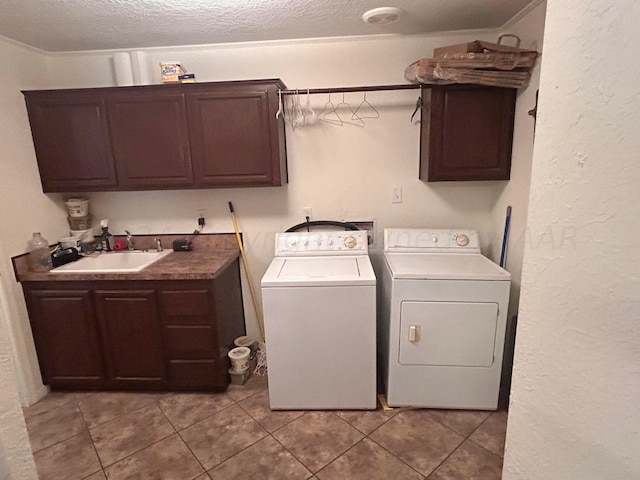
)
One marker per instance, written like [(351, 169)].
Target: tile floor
[(234, 435)]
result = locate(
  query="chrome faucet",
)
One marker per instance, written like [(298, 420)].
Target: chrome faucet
[(129, 240), (158, 244)]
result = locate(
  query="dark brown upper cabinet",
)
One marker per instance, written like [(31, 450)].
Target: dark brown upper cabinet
[(221, 134), (467, 133), (71, 139), (150, 139), (226, 150)]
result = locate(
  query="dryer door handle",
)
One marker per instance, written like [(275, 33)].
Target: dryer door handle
[(414, 333)]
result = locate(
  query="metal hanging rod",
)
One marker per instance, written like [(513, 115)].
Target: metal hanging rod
[(369, 88)]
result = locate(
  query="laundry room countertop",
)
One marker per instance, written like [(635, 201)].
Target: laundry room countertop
[(211, 254)]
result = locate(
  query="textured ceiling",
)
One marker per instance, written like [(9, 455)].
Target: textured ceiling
[(70, 25)]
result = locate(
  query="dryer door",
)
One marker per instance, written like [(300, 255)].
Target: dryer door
[(448, 333)]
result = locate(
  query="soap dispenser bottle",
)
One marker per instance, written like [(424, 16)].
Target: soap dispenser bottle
[(106, 239)]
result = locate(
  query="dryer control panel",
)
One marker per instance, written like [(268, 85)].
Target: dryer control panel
[(429, 240), (321, 243)]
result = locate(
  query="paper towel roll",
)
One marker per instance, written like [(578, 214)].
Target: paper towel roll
[(141, 68), (122, 66)]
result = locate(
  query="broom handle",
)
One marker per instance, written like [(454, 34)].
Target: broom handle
[(245, 264)]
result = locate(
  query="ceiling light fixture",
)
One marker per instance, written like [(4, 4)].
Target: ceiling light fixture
[(382, 16)]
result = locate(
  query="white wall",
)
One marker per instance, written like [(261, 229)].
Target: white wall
[(16, 459), (530, 29), (574, 404), (23, 209), (341, 172)]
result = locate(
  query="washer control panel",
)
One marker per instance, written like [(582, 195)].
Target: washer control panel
[(322, 243), (431, 240)]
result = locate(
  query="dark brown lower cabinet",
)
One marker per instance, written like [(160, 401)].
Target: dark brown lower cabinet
[(136, 335), (129, 324), (66, 335)]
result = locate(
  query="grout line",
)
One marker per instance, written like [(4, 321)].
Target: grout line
[(137, 451), (117, 416), (485, 448), (59, 441), (227, 458), (445, 459), (189, 448), (193, 453), (397, 457), (464, 438), (200, 420), (86, 427), (155, 402), (89, 476), (343, 453), (26, 410), (294, 456)]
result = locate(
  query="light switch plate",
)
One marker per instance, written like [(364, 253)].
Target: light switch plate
[(396, 195)]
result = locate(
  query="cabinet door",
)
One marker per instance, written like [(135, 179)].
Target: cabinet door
[(66, 337), (71, 140), (149, 138), (130, 328), (235, 139), (469, 133)]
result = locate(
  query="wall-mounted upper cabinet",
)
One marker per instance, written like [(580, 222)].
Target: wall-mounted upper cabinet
[(226, 148), (205, 135), (150, 139), (71, 138), (467, 133)]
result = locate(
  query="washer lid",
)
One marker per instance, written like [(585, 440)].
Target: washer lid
[(433, 266), (319, 271)]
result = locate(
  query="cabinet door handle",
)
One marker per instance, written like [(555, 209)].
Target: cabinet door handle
[(414, 331)]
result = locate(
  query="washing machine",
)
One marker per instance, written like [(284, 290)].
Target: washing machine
[(442, 320), (319, 305)]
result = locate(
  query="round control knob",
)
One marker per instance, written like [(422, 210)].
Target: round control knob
[(331, 242), (435, 239), (350, 242), (293, 242), (306, 243), (462, 240)]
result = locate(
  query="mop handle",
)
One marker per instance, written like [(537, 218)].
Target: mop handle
[(245, 264)]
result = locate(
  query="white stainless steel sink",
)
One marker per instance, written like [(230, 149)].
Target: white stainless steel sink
[(113, 262)]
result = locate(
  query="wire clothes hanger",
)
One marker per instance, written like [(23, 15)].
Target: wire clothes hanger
[(365, 109), (291, 112), (348, 113), (329, 114), (313, 116), (280, 108), (299, 118)]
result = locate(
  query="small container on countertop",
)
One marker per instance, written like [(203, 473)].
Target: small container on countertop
[(39, 254)]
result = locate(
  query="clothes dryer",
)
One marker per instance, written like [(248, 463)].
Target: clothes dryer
[(442, 320)]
